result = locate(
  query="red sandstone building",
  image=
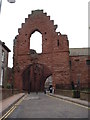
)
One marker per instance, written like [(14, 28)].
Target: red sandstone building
[(64, 65)]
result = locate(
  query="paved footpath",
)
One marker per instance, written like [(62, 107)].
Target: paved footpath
[(45, 106), (7, 103), (75, 100)]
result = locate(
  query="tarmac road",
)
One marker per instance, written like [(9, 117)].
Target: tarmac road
[(43, 106)]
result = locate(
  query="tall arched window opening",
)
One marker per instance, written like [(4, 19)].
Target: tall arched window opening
[(36, 42)]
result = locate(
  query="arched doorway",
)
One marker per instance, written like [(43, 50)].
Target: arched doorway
[(48, 83), (34, 77)]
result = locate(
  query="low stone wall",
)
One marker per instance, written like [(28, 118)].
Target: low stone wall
[(69, 93), (85, 96), (5, 93)]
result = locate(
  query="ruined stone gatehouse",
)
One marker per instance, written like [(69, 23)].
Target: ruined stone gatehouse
[(32, 69)]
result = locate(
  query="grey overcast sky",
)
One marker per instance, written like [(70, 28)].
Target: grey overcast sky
[(71, 16)]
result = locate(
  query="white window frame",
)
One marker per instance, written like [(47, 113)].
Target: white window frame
[(2, 76), (3, 56)]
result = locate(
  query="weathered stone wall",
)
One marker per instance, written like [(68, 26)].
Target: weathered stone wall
[(5, 93), (55, 49)]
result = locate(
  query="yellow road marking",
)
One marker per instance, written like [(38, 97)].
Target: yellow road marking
[(69, 102), (9, 113), (12, 109), (15, 106), (6, 113)]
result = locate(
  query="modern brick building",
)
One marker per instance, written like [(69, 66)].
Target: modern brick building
[(4, 50), (64, 65)]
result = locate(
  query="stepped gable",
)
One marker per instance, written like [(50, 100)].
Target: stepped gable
[(35, 14), (35, 20)]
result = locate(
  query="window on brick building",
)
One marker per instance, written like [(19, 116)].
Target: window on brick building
[(36, 42), (70, 63), (88, 62), (77, 60), (58, 43), (2, 76), (3, 56)]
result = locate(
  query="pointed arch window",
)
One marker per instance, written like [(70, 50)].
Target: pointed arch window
[(36, 41)]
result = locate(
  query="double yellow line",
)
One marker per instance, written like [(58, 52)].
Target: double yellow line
[(12, 109)]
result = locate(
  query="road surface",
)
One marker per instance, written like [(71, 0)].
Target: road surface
[(43, 106)]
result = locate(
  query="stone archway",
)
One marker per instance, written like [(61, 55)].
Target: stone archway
[(55, 50), (34, 77)]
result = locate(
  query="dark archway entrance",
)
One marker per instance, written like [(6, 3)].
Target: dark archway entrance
[(34, 77)]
